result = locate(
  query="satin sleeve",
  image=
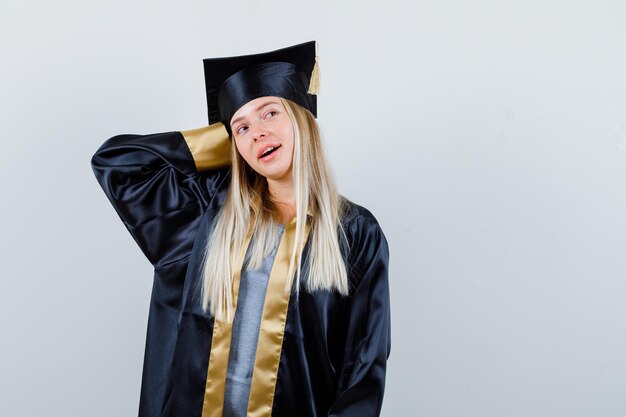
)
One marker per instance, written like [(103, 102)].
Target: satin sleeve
[(368, 340), (160, 184)]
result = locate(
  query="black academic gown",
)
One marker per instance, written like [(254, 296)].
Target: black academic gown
[(334, 349)]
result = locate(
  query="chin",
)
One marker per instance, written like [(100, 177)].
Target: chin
[(275, 176)]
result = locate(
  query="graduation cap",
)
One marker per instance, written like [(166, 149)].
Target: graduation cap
[(289, 73)]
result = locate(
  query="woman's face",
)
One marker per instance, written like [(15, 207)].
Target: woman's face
[(264, 136)]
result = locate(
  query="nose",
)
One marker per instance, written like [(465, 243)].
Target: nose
[(258, 132)]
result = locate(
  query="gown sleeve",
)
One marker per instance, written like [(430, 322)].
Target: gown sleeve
[(160, 184), (368, 344)]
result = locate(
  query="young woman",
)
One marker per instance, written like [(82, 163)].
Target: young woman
[(270, 292)]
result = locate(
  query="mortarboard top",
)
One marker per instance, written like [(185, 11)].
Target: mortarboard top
[(289, 73)]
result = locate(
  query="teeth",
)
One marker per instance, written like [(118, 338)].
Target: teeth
[(271, 148)]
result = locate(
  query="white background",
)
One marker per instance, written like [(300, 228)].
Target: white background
[(487, 137)]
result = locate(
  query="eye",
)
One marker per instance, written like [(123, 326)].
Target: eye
[(241, 129), (270, 114)]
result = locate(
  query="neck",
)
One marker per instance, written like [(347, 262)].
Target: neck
[(283, 196)]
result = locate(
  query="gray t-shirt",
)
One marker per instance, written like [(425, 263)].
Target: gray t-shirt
[(245, 333)]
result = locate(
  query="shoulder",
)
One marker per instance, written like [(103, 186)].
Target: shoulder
[(356, 217), (363, 233), (209, 217)]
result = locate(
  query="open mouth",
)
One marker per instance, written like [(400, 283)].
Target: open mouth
[(270, 150)]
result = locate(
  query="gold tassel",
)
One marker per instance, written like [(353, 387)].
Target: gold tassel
[(314, 84)]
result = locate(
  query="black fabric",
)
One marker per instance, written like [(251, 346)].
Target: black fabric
[(280, 79), (335, 348), (233, 81), (152, 183)]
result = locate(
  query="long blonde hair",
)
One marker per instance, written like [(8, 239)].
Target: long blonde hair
[(248, 200)]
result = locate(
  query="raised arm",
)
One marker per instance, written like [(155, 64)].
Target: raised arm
[(160, 184)]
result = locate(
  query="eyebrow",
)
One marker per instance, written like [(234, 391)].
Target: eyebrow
[(269, 103)]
